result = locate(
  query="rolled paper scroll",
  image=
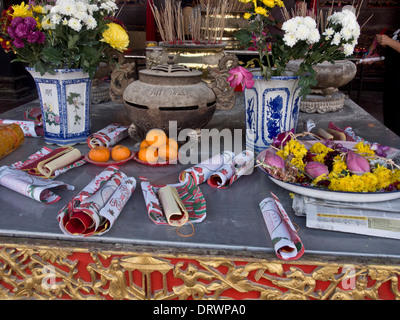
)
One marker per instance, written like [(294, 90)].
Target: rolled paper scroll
[(242, 164), (203, 171), (174, 209), (33, 187), (94, 210), (49, 166), (188, 191), (11, 137), (28, 127), (47, 163), (287, 243), (108, 136)]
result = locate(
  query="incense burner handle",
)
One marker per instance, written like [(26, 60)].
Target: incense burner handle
[(224, 93)]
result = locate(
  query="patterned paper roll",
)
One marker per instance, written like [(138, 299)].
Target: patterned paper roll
[(174, 209), (242, 164), (94, 210), (11, 137), (33, 187), (202, 171), (39, 164), (50, 165), (188, 191), (28, 127), (287, 243), (109, 136)]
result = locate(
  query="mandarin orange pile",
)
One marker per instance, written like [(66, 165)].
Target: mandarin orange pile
[(103, 154), (157, 147)]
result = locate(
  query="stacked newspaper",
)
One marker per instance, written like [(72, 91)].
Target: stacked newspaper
[(381, 219)]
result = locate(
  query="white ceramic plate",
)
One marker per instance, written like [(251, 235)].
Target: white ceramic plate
[(332, 195)]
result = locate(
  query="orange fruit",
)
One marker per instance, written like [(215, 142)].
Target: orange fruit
[(144, 144), (120, 152), (171, 142), (99, 154), (156, 137), (148, 154), (167, 152)]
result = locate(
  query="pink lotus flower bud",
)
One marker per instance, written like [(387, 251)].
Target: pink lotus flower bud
[(240, 75), (356, 163), (274, 160), (314, 169)]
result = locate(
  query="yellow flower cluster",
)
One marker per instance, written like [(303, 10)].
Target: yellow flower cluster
[(364, 149), (297, 151), (320, 150), (22, 10), (378, 179), (116, 37), (260, 9), (25, 10)]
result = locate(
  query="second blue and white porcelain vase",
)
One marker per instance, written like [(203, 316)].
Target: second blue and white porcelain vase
[(272, 106), (65, 102)]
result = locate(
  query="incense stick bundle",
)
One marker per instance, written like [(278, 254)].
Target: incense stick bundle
[(173, 27)]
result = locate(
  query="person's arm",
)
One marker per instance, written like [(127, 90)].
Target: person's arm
[(384, 41)]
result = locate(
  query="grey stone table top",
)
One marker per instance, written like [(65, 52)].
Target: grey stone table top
[(233, 221)]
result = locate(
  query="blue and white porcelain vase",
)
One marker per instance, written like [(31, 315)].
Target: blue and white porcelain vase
[(65, 102), (272, 106)]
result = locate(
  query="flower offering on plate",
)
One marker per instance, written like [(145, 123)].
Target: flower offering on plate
[(334, 170)]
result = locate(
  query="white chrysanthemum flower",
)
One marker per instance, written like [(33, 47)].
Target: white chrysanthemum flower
[(65, 22), (67, 8), (289, 39), (81, 15), (112, 5), (346, 33), (328, 33), (310, 22), (92, 8), (91, 23), (75, 24), (336, 39), (314, 36), (302, 32), (55, 9), (348, 49), (81, 6), (289, 26), (56, 18)]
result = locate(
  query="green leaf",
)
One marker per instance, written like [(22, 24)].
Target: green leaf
[(72, 40)]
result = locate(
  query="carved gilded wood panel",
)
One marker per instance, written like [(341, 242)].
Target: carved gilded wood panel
[(45, 272)]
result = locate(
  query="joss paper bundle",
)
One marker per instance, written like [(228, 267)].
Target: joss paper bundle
[(287, 243), (30, 186), (108, 136), (94, 210), (189, 193), (48, 163)]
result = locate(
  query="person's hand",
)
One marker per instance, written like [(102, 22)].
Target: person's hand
[(383, 39)]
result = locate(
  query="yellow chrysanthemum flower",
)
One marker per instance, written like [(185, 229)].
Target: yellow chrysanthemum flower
[(116, 37), (320, 148), (364, 149), (247, 15), (21, 10), (279, 3), (261, 11), (269, 3), (384, 176), (396, 175)]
